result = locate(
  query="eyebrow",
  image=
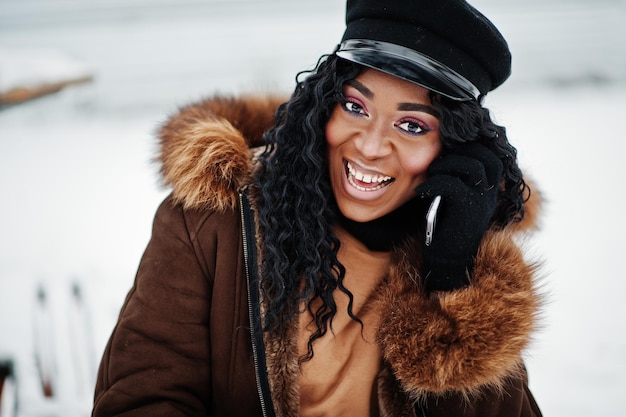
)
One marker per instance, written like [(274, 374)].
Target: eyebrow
[(363, 89), (419, 107), (401, 106)]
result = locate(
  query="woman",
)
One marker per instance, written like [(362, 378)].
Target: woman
[(363, 263)]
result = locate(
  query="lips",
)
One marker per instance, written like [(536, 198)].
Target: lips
[(363, 181)]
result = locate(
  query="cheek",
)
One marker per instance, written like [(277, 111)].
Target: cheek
[(333, 130), (417, 163), (332, 143)]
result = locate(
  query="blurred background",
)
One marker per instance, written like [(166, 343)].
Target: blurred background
[(85, 83)]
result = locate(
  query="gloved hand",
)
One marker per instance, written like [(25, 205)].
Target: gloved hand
[(468, 180)]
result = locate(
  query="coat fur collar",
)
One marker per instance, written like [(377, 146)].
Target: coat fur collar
[(205, 148), (457, 342)]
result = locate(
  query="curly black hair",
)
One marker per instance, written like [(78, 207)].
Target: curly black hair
[(296, 205)]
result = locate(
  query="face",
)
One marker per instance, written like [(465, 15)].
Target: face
[(381, 139)]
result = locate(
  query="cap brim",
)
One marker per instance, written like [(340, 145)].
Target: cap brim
[(409, 65)]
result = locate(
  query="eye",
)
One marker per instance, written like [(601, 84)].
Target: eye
[(412, 127), (353, 107)]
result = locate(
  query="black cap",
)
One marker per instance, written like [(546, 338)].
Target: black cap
[(444, 45)]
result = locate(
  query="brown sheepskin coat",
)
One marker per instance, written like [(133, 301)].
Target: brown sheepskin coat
[(182, 343)]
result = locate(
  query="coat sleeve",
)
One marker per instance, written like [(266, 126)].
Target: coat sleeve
[(157, 362), (468, 343)]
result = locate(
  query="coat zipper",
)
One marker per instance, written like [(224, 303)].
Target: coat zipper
[(249, 255)]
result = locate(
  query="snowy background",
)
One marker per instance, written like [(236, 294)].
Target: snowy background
[(78, 189)]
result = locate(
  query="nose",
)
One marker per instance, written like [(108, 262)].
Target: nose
[(373, 142)]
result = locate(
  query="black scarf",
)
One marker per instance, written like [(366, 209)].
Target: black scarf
[(384, 233)]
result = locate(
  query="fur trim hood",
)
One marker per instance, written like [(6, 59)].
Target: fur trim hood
[(205, 148), (458, 342)]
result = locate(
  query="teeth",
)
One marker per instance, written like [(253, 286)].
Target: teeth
[(358, 187), (364, 177), (367, 179)]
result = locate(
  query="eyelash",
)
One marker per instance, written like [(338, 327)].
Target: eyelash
[(346, 106), (421, 126)]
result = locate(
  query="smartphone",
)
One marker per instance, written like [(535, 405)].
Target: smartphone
[(431, 219)]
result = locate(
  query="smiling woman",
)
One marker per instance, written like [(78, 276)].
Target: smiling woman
[(317, 242), (381, 140)]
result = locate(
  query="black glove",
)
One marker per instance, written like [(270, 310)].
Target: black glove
[(468, 180)]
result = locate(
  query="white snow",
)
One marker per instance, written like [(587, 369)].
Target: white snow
[(79, 190), (36, 67)]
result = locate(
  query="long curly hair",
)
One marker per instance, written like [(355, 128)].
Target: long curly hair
[(296, 204)]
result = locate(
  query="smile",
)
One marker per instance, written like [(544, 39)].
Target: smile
[(366, 182)]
